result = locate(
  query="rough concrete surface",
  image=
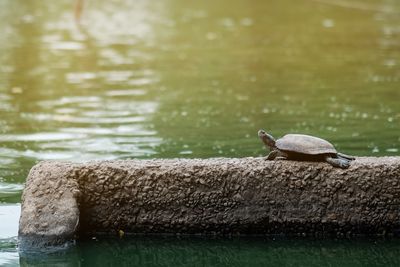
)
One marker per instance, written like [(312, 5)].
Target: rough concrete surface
[(210, 196)]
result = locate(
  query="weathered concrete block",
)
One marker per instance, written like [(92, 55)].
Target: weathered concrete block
[(209, 196), (50, 209)]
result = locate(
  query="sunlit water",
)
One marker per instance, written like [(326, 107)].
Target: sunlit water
[(174, 78)]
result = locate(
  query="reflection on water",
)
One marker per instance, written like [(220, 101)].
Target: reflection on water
[(75, 93), (8, 253), (9, 217), (175, 78), (150, 251)]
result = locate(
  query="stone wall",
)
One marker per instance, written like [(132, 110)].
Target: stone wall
[(218, 196)]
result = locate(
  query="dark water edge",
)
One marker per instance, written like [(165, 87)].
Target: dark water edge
[(198, 251)]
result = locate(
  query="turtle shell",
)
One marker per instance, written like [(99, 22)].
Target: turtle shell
[(305, 144)]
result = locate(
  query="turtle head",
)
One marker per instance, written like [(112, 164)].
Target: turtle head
[(267, 139)]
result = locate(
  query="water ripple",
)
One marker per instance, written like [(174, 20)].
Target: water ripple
[(68, 100), (68, 154), (101, 147), (6, 161), (141, 81), (84, 120), (126, 92), (130, 130), (40, 137), (9, 256), (79, 77), (116, 76), (10, 189), (8, 244), (66, 46), (8, 152)]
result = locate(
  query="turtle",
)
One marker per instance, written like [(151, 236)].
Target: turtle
[(304, 148)]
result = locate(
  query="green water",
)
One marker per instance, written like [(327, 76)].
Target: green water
[(179, 78), (227, 252)]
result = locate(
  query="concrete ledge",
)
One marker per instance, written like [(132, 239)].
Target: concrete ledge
[(209, 196), (50, 207)]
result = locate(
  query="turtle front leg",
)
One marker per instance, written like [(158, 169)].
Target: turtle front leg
[(274, 154), (338, 162)]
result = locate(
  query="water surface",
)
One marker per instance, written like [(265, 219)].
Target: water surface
[(142, 251), (175, 78)]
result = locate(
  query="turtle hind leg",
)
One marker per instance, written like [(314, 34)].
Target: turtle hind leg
[(338, 162), (341, 155)]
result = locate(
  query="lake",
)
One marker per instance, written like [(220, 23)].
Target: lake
[(195, 79)]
